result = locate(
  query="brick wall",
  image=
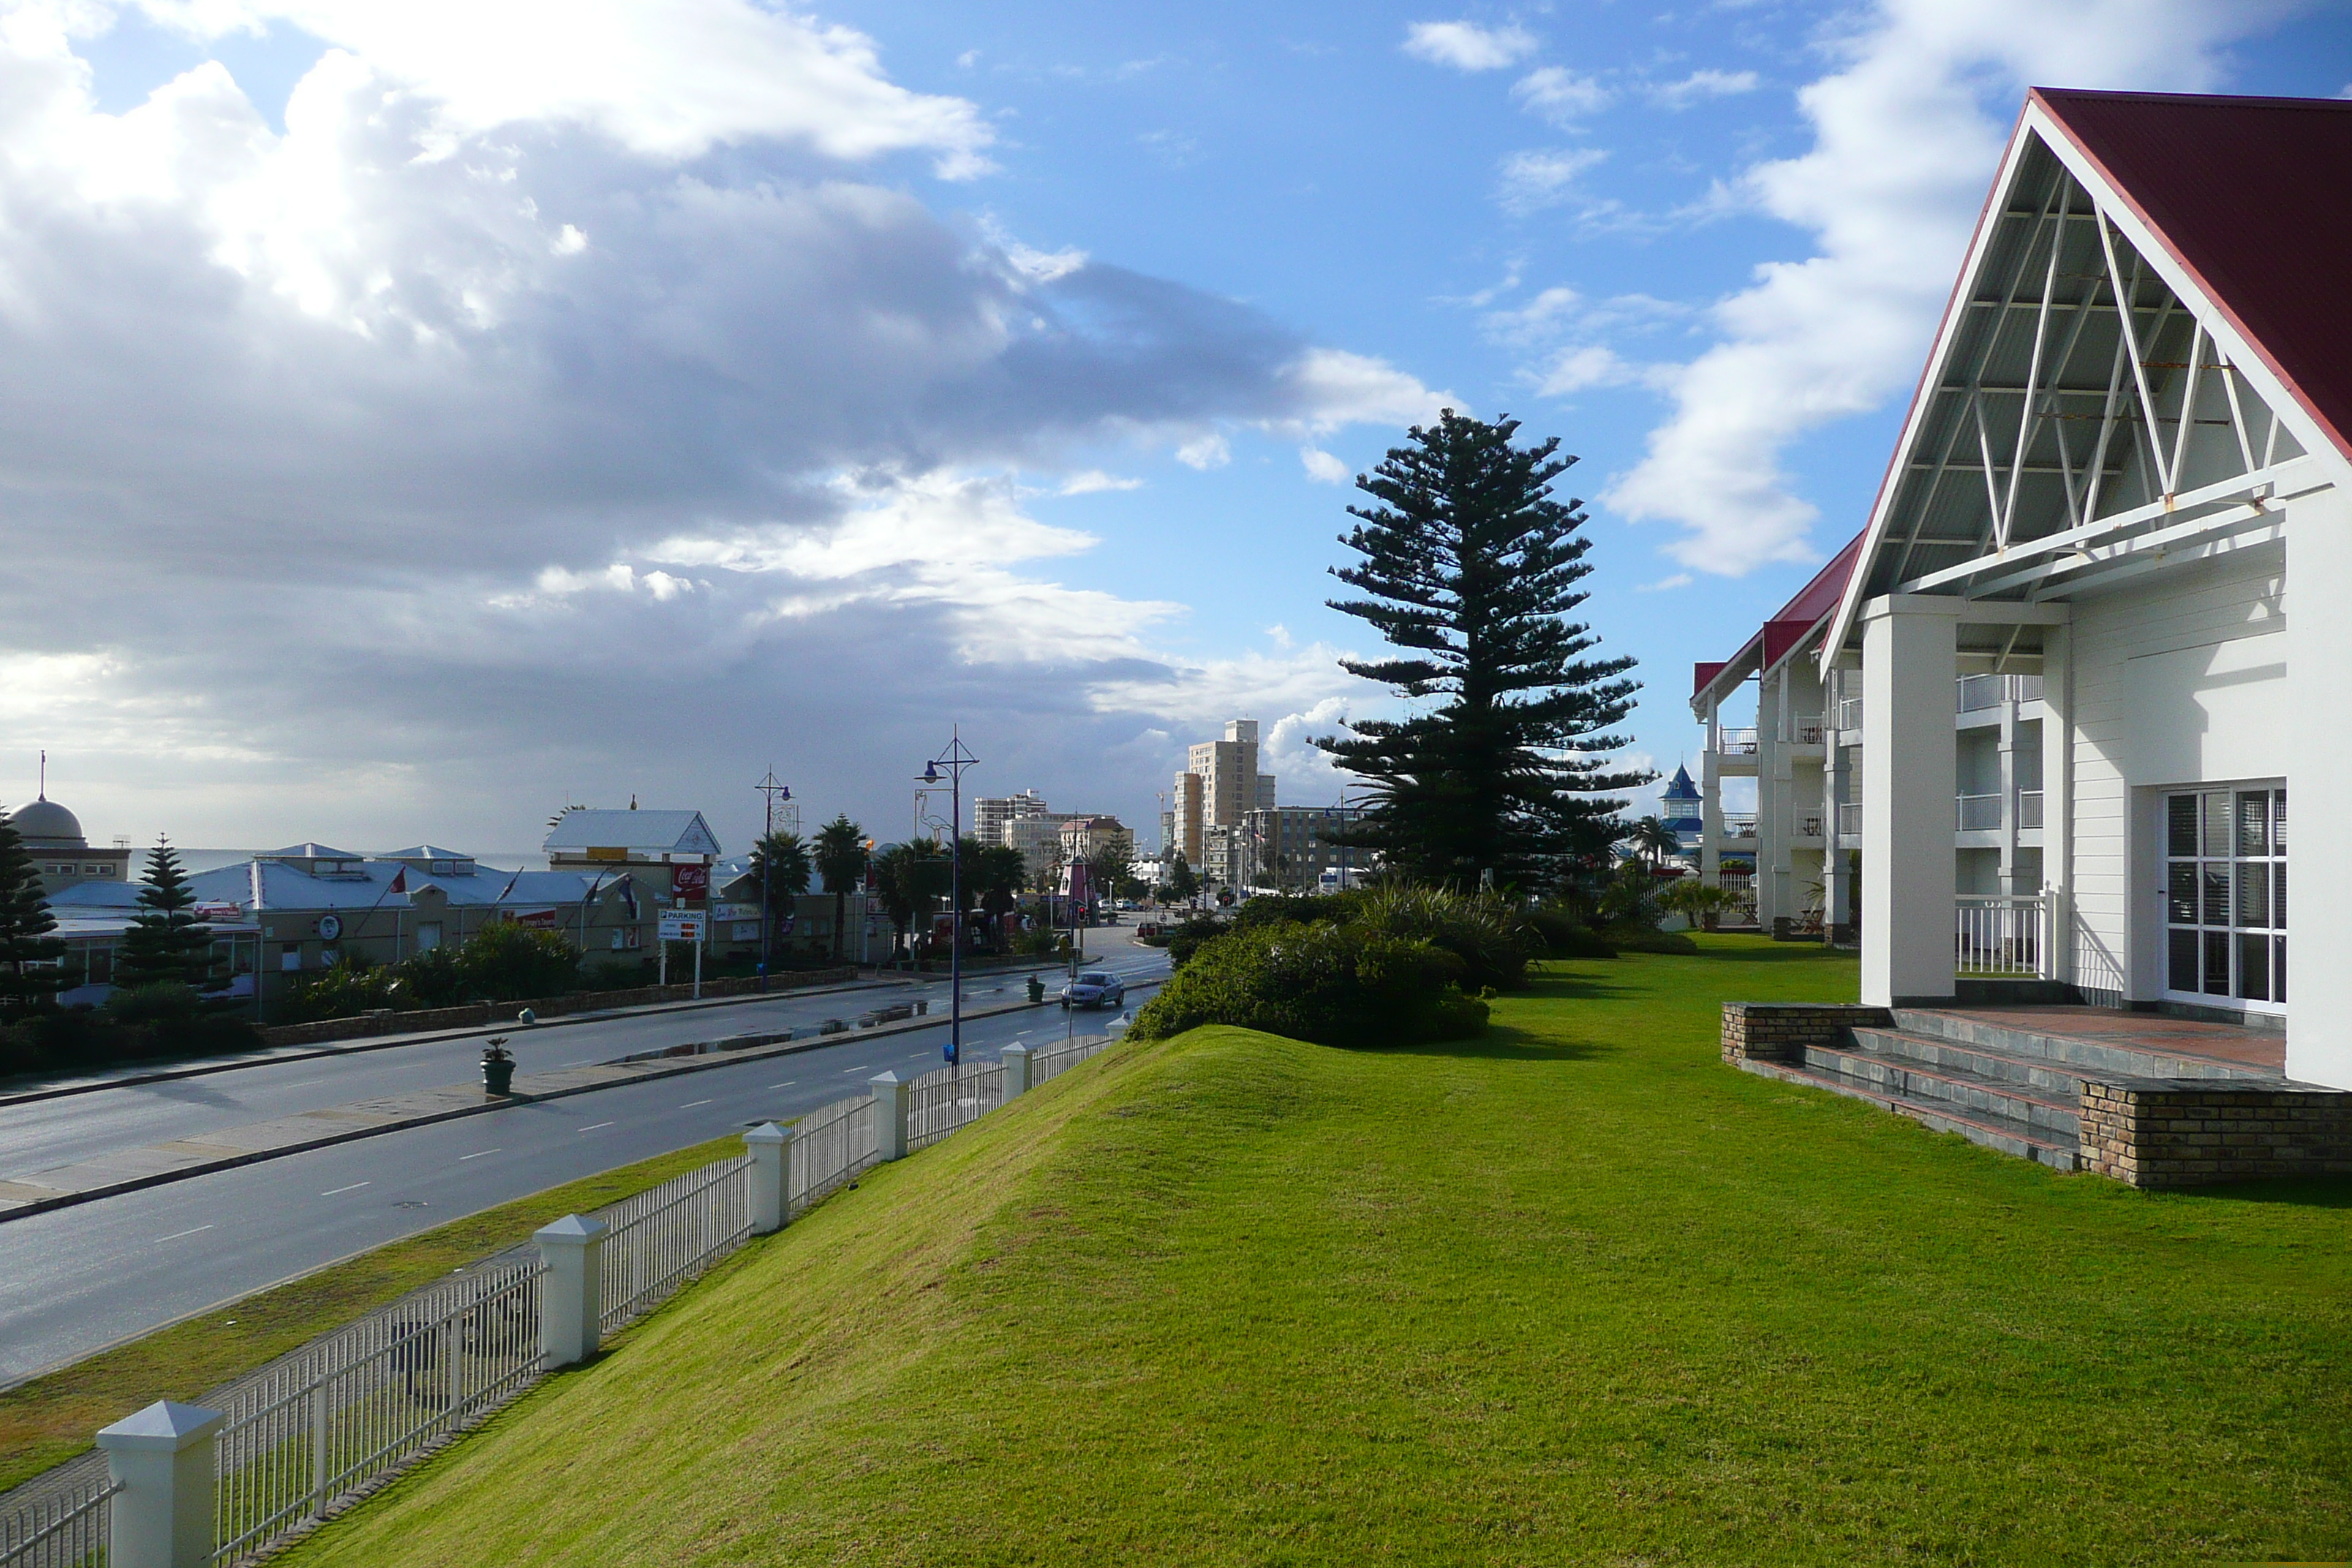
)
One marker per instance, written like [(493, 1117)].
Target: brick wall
[(1780, 1031), (480, 1015), (2189, 1132)]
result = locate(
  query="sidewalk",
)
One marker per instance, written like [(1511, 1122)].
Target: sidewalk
[(153, 1164)]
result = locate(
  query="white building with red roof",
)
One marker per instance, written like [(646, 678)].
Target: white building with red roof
[(2135, 416)]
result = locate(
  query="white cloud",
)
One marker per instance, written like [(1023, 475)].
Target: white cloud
[(1468, 46), (1544, 178), (1560, 95), (1322, 467), (1666, 585), (1205, 452), (665, 79), (1704, 84), (1906, 133), (1335, 388), (1094, 481), (1572, 370)]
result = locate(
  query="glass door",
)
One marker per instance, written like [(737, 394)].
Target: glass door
[(2225, 896)]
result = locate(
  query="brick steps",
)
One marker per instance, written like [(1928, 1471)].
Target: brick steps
[(2002, 1089), (2092, 1057), (1990, 1130)]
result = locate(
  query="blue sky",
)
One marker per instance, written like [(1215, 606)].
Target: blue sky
[(534, 414)]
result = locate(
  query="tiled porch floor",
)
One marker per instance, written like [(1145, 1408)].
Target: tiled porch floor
[(2264, 1049)]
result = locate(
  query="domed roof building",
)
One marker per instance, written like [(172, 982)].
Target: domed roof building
[(60, 852)]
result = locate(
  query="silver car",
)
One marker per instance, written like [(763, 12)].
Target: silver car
[(1094, 990)]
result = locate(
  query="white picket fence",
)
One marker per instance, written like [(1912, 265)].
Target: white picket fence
[(322, 1423)]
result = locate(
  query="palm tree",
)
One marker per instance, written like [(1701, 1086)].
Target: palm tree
[(780, 861), (842, 853), (907, 876), (1653, 840)]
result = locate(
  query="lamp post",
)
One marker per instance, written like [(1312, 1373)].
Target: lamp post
[(770, 787), (954, 760)]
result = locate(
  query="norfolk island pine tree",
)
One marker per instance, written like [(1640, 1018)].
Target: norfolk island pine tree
[(165, 944), (27, 951), (1469, 568)]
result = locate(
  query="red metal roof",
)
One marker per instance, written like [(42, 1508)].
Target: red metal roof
[(2253, 197), (1788, 624)]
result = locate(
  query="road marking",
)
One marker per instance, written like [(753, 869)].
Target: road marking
[(868, 1067), (786, 1084), (177, 1234), (690, 1104), (355, 1187), (477, 1154), (592, 1126), (304, 1084)]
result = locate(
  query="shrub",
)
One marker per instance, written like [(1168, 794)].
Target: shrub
[(350, 986), (1334, 984), (1567, 936), (1187, 937), (1486, 931), (1642, 939), (1295, 908), (165, 1019), (512, 963)]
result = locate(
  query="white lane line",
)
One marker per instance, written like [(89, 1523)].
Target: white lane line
[(177, 1234), (477, 1154), (592, 1127), (303, 1084), (868, 1067), (690, 1104), (355, 1187), (786, 1084)]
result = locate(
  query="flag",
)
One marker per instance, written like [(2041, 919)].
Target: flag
[(399, 881)]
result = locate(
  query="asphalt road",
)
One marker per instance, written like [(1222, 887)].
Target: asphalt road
[(45, 1134), (77, 1279)]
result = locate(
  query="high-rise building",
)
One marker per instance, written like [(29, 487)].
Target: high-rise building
[(1185, 818), (990, 814)]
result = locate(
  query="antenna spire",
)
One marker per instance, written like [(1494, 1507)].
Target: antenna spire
[(45, 773)]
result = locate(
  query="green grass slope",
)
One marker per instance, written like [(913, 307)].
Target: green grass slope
[(1579, 1293)]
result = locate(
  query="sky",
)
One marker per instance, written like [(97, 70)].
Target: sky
[(417, 418)]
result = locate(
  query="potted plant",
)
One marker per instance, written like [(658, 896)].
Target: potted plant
[(497, 1068)]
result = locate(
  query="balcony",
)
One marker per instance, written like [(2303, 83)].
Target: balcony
[(1805, 731), (1739, 825), (1736, 743), (1981, 813), (2029, 808), (1849, 819), (1849, 714), (1809, 825), (1978, 692), (2001, 935)]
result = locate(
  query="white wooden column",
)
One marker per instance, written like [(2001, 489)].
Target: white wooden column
[(1710, 805), (1771, 806), (1907, 784), (2058, 794), (2318, 787)]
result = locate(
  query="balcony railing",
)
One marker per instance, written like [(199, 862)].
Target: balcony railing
[(1981, 691), (1848, 713), (1978, 812), (2029, 808), (2002, 934), (1736, 743), (1849, 819), (1739, 825), (1804, 730), (1809, 827)]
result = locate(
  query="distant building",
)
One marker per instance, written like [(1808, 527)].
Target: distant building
[(1219, 787), (1290, 848), (53, 837), (1084, 837), (992, 813), (1683, 808), (1039, 839)]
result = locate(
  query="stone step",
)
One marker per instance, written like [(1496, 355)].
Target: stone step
[(2055, 1150), (2092, 1057), (2057, 1078), (2051, 1112)]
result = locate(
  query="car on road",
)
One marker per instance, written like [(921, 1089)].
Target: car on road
[(1095, 989)]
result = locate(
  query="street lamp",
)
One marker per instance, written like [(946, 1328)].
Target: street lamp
[(954, 760), (773, 789)]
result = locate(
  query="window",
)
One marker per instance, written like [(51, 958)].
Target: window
[(2225, 894), (289, 957), (428, 935)]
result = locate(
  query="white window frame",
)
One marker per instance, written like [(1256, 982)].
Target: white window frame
[(2166, 926)]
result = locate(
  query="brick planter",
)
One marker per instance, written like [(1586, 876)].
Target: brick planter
[(2192, 1133), (1780, 1031)]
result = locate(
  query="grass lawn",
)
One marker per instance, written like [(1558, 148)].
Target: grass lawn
[(1576, 1293), (50, 1419)]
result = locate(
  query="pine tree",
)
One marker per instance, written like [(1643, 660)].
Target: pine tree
[(27, 951), (165, 944), (1469, 568)]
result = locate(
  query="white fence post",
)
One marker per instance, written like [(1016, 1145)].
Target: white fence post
[(890, 1102), (771, 1162), (166, 1460), (1017, 1071), (571, 1296)]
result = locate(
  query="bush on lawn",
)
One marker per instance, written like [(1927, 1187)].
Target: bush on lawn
[(1187, 937), (1566, 935), (1333, 984), (1490, 934)]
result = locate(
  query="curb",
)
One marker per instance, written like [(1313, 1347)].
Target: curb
[(765, 1046)]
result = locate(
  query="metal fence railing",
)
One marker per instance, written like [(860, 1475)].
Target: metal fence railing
[(662, 1238), (829, 1148), (2002, 934), (1053, 1061), (66, 1527), (320, 1423), (948, 1097)]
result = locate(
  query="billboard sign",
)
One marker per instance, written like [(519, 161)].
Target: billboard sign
[(682, 925), (690, 881)]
